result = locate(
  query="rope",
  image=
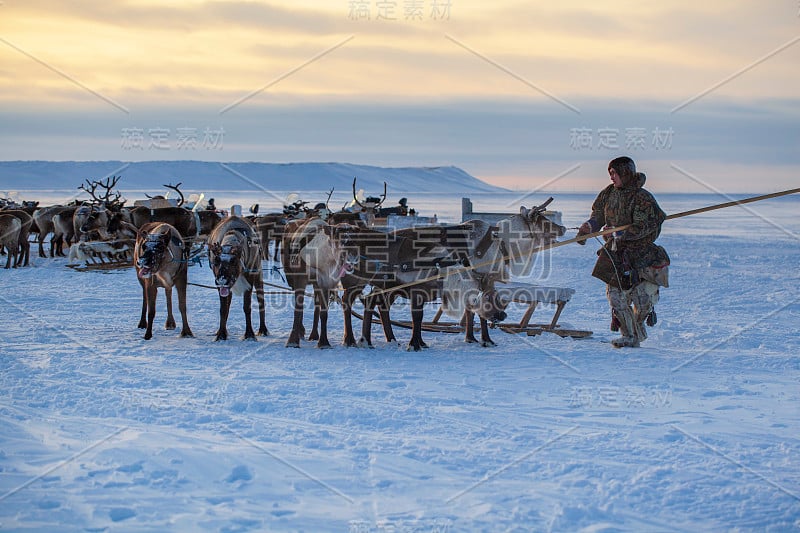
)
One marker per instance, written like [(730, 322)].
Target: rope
[(215, 288)]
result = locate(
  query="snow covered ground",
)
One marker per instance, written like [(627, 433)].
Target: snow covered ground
[(697, 430)]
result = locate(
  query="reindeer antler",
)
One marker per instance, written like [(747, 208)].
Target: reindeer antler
[(355, 197), (93, 187), (543, 207), (329, 198), (383, 198), (109, 184), (177, 190)]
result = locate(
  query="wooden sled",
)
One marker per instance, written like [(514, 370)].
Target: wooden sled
[(521, 293), (531, 296), (99, 255)]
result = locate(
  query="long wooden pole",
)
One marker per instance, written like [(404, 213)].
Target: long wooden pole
[(600, 233), (675, 215)]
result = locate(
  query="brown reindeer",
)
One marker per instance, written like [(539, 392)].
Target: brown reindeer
[(178, 217), (234, 255), (10, 227), (408, 262), (314, 253), (43, 218), (63, 229), (23, 246), (159, 261), (93, 218)]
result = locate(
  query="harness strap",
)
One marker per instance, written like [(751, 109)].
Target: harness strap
[(486, 241)]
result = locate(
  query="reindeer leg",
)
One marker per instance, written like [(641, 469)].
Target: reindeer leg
[(386, 322), (469, 322), (348, 298), (151, 308), (143, 319), (248, 307), (486, 341), (224, 309), (323, 299), (170, 323), (314, 335), (416, 343), (297, 323), (181, 285), (366, 324), (262, 322)]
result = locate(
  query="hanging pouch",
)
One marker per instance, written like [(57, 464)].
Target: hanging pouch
[(610, 268)]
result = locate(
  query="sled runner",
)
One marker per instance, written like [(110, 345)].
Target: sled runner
[(521, 293)]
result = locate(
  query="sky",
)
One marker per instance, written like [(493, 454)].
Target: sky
[(519, 94)]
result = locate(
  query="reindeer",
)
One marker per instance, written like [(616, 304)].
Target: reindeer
[(63, 228), (178, 217), (313, 253), (371, 204), (234, 255), (158, 258), (23, 247), (10, 227), (93, 218), (480, 254), (43, 218), (396, 266), (272, 226)]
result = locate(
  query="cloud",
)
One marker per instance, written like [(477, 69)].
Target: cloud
[(516, 139), (187, 16)]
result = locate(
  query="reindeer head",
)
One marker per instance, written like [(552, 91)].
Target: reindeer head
[(94, 219), (491, 306), (463, 290), (540, 224), (152, 250), (348, 252), (225, 259)]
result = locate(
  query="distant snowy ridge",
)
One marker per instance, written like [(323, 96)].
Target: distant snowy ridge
[(203, 175)]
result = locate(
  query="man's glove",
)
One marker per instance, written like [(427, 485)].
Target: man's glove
[(585, 229)]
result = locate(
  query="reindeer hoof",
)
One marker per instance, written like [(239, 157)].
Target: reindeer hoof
[(350, 343), (471, 340), (290, 344), (221, 337), (324, 346), (263, 332), (186, 333), (488, 344), (170, 325), (148, 336), (364, 343)]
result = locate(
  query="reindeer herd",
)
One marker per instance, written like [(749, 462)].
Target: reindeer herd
[(459, 264)]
